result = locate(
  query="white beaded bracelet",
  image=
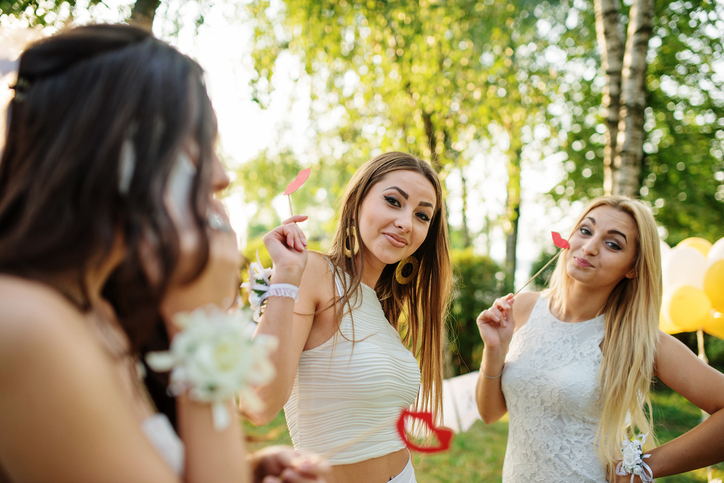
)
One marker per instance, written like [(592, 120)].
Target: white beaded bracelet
[(494, 377), (281, 290)]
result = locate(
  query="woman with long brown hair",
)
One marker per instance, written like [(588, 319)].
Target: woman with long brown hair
[(573, 365), (344, 372), (109, 173)]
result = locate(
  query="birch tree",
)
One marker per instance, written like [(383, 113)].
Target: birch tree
[(610, 37), (624, 97), (682, 172), (627, 163)]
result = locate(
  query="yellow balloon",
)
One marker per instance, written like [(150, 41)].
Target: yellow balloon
[(714, 284), (665, 325), (687, 307), (695, 242), (714, 324)]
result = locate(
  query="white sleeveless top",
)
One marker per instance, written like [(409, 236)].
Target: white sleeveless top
[(550, 384), (347, 396), (160, 433)]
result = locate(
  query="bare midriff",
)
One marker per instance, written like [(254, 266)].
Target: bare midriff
[(375, 470)]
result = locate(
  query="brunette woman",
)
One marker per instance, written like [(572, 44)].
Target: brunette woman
[(345, 372)]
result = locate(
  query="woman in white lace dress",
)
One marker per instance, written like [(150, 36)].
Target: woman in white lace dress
[(573, 365)]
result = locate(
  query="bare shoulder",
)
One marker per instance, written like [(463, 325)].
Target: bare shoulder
[(669, 348), (317, 281), (33, 317), (523, 306), (317, 265)]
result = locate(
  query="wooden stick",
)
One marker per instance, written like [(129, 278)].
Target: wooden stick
[(539, 272), (291, 210)]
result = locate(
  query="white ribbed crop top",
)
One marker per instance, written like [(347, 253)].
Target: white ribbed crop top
[(343, 391)]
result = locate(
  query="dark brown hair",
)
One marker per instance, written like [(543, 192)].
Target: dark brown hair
[(420, 305), (81, 96)]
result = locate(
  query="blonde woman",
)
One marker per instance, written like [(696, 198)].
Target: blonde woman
[(344, 373), (573, 365)]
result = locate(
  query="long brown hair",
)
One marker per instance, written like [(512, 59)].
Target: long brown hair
[(81, 96), (418, 308), (631, 334)]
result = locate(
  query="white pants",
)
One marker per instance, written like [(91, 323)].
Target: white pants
[(407, 475)]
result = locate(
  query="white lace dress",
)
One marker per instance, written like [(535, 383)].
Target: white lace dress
[(550, 383)]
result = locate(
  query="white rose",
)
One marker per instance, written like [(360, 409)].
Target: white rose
[(629, 455), (254, 300), (213, 359)]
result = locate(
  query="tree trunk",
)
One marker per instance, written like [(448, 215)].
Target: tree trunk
[(465, 232), (512, 203), (611, 44), (431, 140), (143, 13), (627, 164)]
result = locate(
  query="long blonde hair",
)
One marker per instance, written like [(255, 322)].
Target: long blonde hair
[(631, 334), (421, 304)]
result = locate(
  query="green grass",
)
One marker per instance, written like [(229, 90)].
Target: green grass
[(477, 455)]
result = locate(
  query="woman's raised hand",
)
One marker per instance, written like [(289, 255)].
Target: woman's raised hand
[(497, 324), (287, 247)]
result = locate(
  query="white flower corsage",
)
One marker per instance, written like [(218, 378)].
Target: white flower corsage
[(260, 287), (633, 460), (213, 358)]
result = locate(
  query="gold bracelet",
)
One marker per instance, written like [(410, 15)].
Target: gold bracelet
[(492, 377)]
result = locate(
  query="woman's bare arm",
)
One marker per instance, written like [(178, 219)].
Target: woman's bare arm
[(682, 371), (497, 325), (291, 323)]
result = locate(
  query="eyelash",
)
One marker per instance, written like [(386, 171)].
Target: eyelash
[(396, 203), (613, 246), (393, 201)]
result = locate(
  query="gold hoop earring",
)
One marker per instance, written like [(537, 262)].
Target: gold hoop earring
[(402, 279), (351, 247)]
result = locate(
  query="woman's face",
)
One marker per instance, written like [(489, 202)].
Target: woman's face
[(603, 248), (395, 216)]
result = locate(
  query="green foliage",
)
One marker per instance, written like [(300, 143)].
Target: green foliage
[(38, 13), (683, 170), (266, 176), (476, 287), (435, 80)]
